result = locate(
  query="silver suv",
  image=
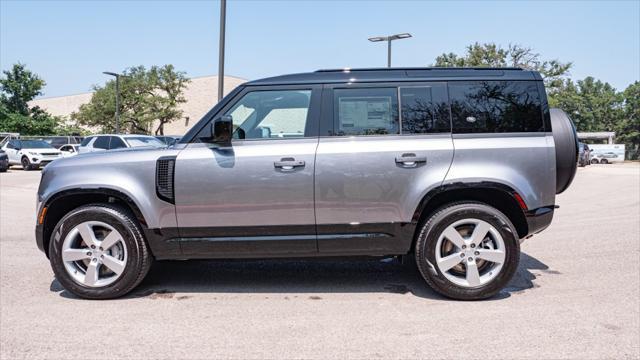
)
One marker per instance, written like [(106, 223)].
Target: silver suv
[(453, 167)]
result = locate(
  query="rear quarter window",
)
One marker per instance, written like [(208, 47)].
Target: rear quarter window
[(495, 107)]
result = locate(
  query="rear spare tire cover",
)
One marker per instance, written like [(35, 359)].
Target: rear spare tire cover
[(566, 143)]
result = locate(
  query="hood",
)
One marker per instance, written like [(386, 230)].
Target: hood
[(119, 158), (41, 151)]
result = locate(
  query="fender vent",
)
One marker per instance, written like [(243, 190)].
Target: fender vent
[(164, 178)]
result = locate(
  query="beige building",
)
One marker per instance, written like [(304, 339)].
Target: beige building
[(201, 94)]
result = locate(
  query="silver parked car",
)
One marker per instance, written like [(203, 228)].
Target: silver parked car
[(105, 142), (330, 163)]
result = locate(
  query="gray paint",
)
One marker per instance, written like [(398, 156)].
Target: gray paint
[(358, 180), (240, 186), (131, 172)]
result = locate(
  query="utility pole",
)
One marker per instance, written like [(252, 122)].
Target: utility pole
[(223, 15)]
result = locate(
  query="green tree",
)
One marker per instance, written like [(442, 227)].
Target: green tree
[(628, 129), (146, 96), (593, 105), (18, 86), (492, 55)]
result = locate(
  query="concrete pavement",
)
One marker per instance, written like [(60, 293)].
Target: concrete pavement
[(576, 295)]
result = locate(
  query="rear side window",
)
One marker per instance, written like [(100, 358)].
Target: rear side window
[(495, 107), (102, 142), (117, 143), (366, 111), (425, 109)]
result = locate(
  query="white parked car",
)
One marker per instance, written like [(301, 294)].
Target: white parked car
[(69, 149), (111, 142), (31, 154)]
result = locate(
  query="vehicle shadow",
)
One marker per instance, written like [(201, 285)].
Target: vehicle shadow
[(300, 276)]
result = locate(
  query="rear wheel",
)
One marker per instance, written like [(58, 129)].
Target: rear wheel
[(604, 161), (98, 252), (594, 161), (467, 251)]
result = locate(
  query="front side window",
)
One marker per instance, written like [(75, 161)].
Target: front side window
[(102, 142), (425, 109), (86, 141), (495, 107), (365, 111), (271, 114)]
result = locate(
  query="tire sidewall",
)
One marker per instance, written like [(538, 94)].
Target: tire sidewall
[(444, 218), (130, 236), (22, 162)]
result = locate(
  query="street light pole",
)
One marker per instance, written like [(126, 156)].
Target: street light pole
[(223, 15), (389, 39), (117, 76), (389, 53)]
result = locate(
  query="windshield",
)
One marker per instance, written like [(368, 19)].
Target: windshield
[(35, 144), (142, 141)]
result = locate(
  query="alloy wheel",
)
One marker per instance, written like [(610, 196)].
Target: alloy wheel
[(470, 253), (94, 254)]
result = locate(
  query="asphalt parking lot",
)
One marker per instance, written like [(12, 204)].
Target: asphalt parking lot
[(576, 295)]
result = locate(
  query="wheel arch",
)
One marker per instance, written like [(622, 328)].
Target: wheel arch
[(64, 201), (498, 195)]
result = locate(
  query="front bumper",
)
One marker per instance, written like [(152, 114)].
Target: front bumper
[(539, 219), (40, 237)]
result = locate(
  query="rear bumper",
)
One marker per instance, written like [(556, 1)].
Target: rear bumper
[(539, 219)]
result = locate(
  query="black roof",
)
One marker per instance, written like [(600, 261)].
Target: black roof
[(400, 74)]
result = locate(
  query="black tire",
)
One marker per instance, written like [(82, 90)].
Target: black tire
[(139, 258), (604, 161), (595, 161), (26, 164), (438, 222)]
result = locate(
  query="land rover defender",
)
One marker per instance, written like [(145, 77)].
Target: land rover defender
[(453, 167)]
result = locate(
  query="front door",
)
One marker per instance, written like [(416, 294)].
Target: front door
[(254, 198)]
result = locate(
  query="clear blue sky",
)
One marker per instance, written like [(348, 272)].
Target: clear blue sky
[(70, 43)]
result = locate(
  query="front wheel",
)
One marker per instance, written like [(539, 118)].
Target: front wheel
[(594, 161), (98, 252), (467, 251), (604, 161), (26, 164)]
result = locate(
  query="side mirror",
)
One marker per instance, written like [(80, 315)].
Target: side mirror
[(222, 130)]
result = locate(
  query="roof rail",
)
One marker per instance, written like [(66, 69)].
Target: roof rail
[(419, 68)]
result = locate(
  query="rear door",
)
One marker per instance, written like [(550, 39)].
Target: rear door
[(385, 146)]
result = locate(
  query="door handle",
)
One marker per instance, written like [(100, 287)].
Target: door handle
[(288, 164), (410, 160)]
